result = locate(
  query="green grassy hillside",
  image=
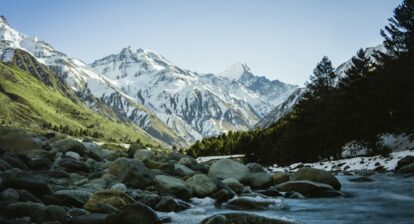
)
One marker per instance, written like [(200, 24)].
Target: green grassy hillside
[(39, 101)]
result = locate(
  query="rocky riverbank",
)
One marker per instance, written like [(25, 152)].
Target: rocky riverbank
[(52, 179)]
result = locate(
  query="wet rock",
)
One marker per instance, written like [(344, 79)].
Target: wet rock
[(404, 161), (280, 177), (234, 185), (131, 172), (309, 188), (18, 179), (17, 142), (169, 204), (317, 175), (243, 218), (294, 195), (67, 144), (119, 187), (407, 168), (78, 194), (255, 168), (361, 179), (93, 218), (114, 198), (25, 196), (173, 186), (73, 155), (202, 185), (38, 213), (133, 214), (227, 168), (133, 148), (260, 180), (221, 196), (247, 203), (183, 171), (71, 165), (270, 192), (9, 195), (143, 155), (164, 167), (188, 162)]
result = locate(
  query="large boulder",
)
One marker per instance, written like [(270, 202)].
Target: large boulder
[(405, 165), (280, 177), (37, 212), (255, 168), (309, 189), (169, 204), (18, 179), (227, 168), (17, 142), (134, 214), (131, 172), (260, 180), (173, 186), (113, 198), (248, 203), (234, 185), (183, 171), (317, 175), (202, 185), (242, 218), (143, 155), (67, 144)]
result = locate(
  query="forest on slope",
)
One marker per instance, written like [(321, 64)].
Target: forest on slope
[(374, 97)]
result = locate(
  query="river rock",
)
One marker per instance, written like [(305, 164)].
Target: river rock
[(133, 148), (93, 218), (67, 144), (71, 165), (308, 189), (131, 172), (243, 218), (17, 142), (188, 162), (183, 171), (164, 167), (174, 186), (317, 175), (134, 214), (234, 185), (260, 180), (255, 168), (361, 179), (114, 198), (202, 185), (18, 179), (9, 195), (77, 194), (169, 204), (227, 168), (248, 203), (280, 177), (119, 187), (144, 154), (38, 213), (73, 155)]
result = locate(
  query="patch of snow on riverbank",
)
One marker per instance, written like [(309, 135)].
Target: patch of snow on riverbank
[(352, 164)]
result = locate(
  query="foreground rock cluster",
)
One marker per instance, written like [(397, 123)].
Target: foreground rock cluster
[(51, 179)]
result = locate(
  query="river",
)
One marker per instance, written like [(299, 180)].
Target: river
[(387, 199)]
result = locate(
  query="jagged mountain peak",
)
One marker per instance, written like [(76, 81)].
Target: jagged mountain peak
[(235, 71), (4, 20)]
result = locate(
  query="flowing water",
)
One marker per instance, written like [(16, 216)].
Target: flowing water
[(388, 199)]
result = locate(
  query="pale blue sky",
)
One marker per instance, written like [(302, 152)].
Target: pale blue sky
[(278, 39)]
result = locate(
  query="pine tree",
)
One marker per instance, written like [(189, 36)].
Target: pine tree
[(399, 33)]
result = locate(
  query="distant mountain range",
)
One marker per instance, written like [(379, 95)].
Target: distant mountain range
[(144, 91)]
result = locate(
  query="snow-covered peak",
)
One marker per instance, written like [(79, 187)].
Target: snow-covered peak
[(3, 20), (236, 71)]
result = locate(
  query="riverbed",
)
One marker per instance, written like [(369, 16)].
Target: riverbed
[(389, 198)]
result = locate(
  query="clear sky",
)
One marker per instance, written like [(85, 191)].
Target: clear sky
[(281, 39)]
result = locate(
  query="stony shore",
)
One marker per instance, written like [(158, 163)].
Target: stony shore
[(52, 179)]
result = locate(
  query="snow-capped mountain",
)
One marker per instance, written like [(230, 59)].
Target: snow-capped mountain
[(170, 103), (92, 87), (194, 104)]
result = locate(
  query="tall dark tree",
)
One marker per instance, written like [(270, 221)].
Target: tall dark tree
[(399, 33)]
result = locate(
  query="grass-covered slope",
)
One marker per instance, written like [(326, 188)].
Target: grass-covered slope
[(32, 102)]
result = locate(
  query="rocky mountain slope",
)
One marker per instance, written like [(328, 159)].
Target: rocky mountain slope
[(193, 104)]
